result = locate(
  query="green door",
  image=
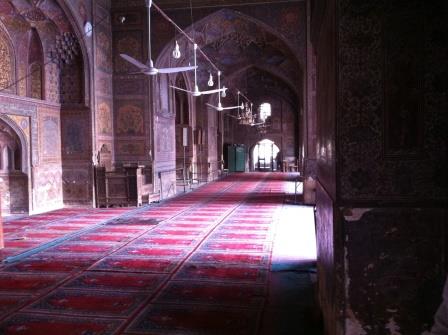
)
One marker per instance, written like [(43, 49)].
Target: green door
[(240, 158)]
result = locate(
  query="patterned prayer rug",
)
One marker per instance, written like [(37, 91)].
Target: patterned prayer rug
[(223, 273), (9, 303), (50, 262), (151, 252), (72, 247), (34, 324), (92, 303), (242, 246), (161, 319), (204, 293), (123, 282), (159, 241), (231, 258), (26, 283), (128, 264)]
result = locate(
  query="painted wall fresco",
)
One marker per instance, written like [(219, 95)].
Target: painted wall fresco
[(104, 119), (234, 41), (394, 263), (129, 43), (75, 137), (390, 98), (47, 187), (50, 131), (132, 104), (35, 29), (6, 63), (130, 119), (131, 148)]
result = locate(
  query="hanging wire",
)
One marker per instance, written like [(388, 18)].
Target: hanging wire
[(16, 82), (185, 34), (192, 40)]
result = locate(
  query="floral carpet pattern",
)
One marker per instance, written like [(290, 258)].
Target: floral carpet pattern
[(195, 264)]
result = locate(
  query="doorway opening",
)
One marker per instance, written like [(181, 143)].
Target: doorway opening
[(13, 180), (264, 156)]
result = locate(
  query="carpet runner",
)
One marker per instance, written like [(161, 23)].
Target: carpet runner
[(195, 264)]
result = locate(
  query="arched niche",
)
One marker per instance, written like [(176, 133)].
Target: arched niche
[(14, 188), (36, 83), (183, 129)]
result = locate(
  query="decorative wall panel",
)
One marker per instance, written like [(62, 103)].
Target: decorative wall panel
[(390, 105), (130, 118), (6, 63), (50, 131), (131, 148), (129, 43), (104, 118)]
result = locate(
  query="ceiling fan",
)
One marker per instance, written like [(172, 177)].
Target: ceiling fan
[(149, 68), (220, 108), (196, 92)]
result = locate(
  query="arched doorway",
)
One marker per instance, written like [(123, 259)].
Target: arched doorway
[(183, 131), (14, 182), (264, 156)]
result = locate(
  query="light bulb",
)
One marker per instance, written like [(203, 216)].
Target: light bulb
[(176, 51), (210, 81), (223, 94)]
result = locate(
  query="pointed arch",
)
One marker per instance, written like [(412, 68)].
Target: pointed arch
[(36, 71), (215, 29), (24, 147)]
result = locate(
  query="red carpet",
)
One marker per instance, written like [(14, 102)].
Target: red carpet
[(35, 324), (14, 283), (193, 319), (212, 293), (196, 264), (27, 233), (52, 263), (96, 303), (222, 273), (227, 258), (117, 281), (128, 264)]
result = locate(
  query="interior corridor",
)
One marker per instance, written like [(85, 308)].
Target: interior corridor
[(231, 257)]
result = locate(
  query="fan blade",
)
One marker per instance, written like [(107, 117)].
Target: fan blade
[(180, 89), (233, 107), (134, 62), (214, 107), (177, 69), (213, 91)]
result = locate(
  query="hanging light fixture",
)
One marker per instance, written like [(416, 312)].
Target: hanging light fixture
[(210, 80), (176, 51)]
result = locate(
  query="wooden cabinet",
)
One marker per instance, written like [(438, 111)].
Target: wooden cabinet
[(128, 186)]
